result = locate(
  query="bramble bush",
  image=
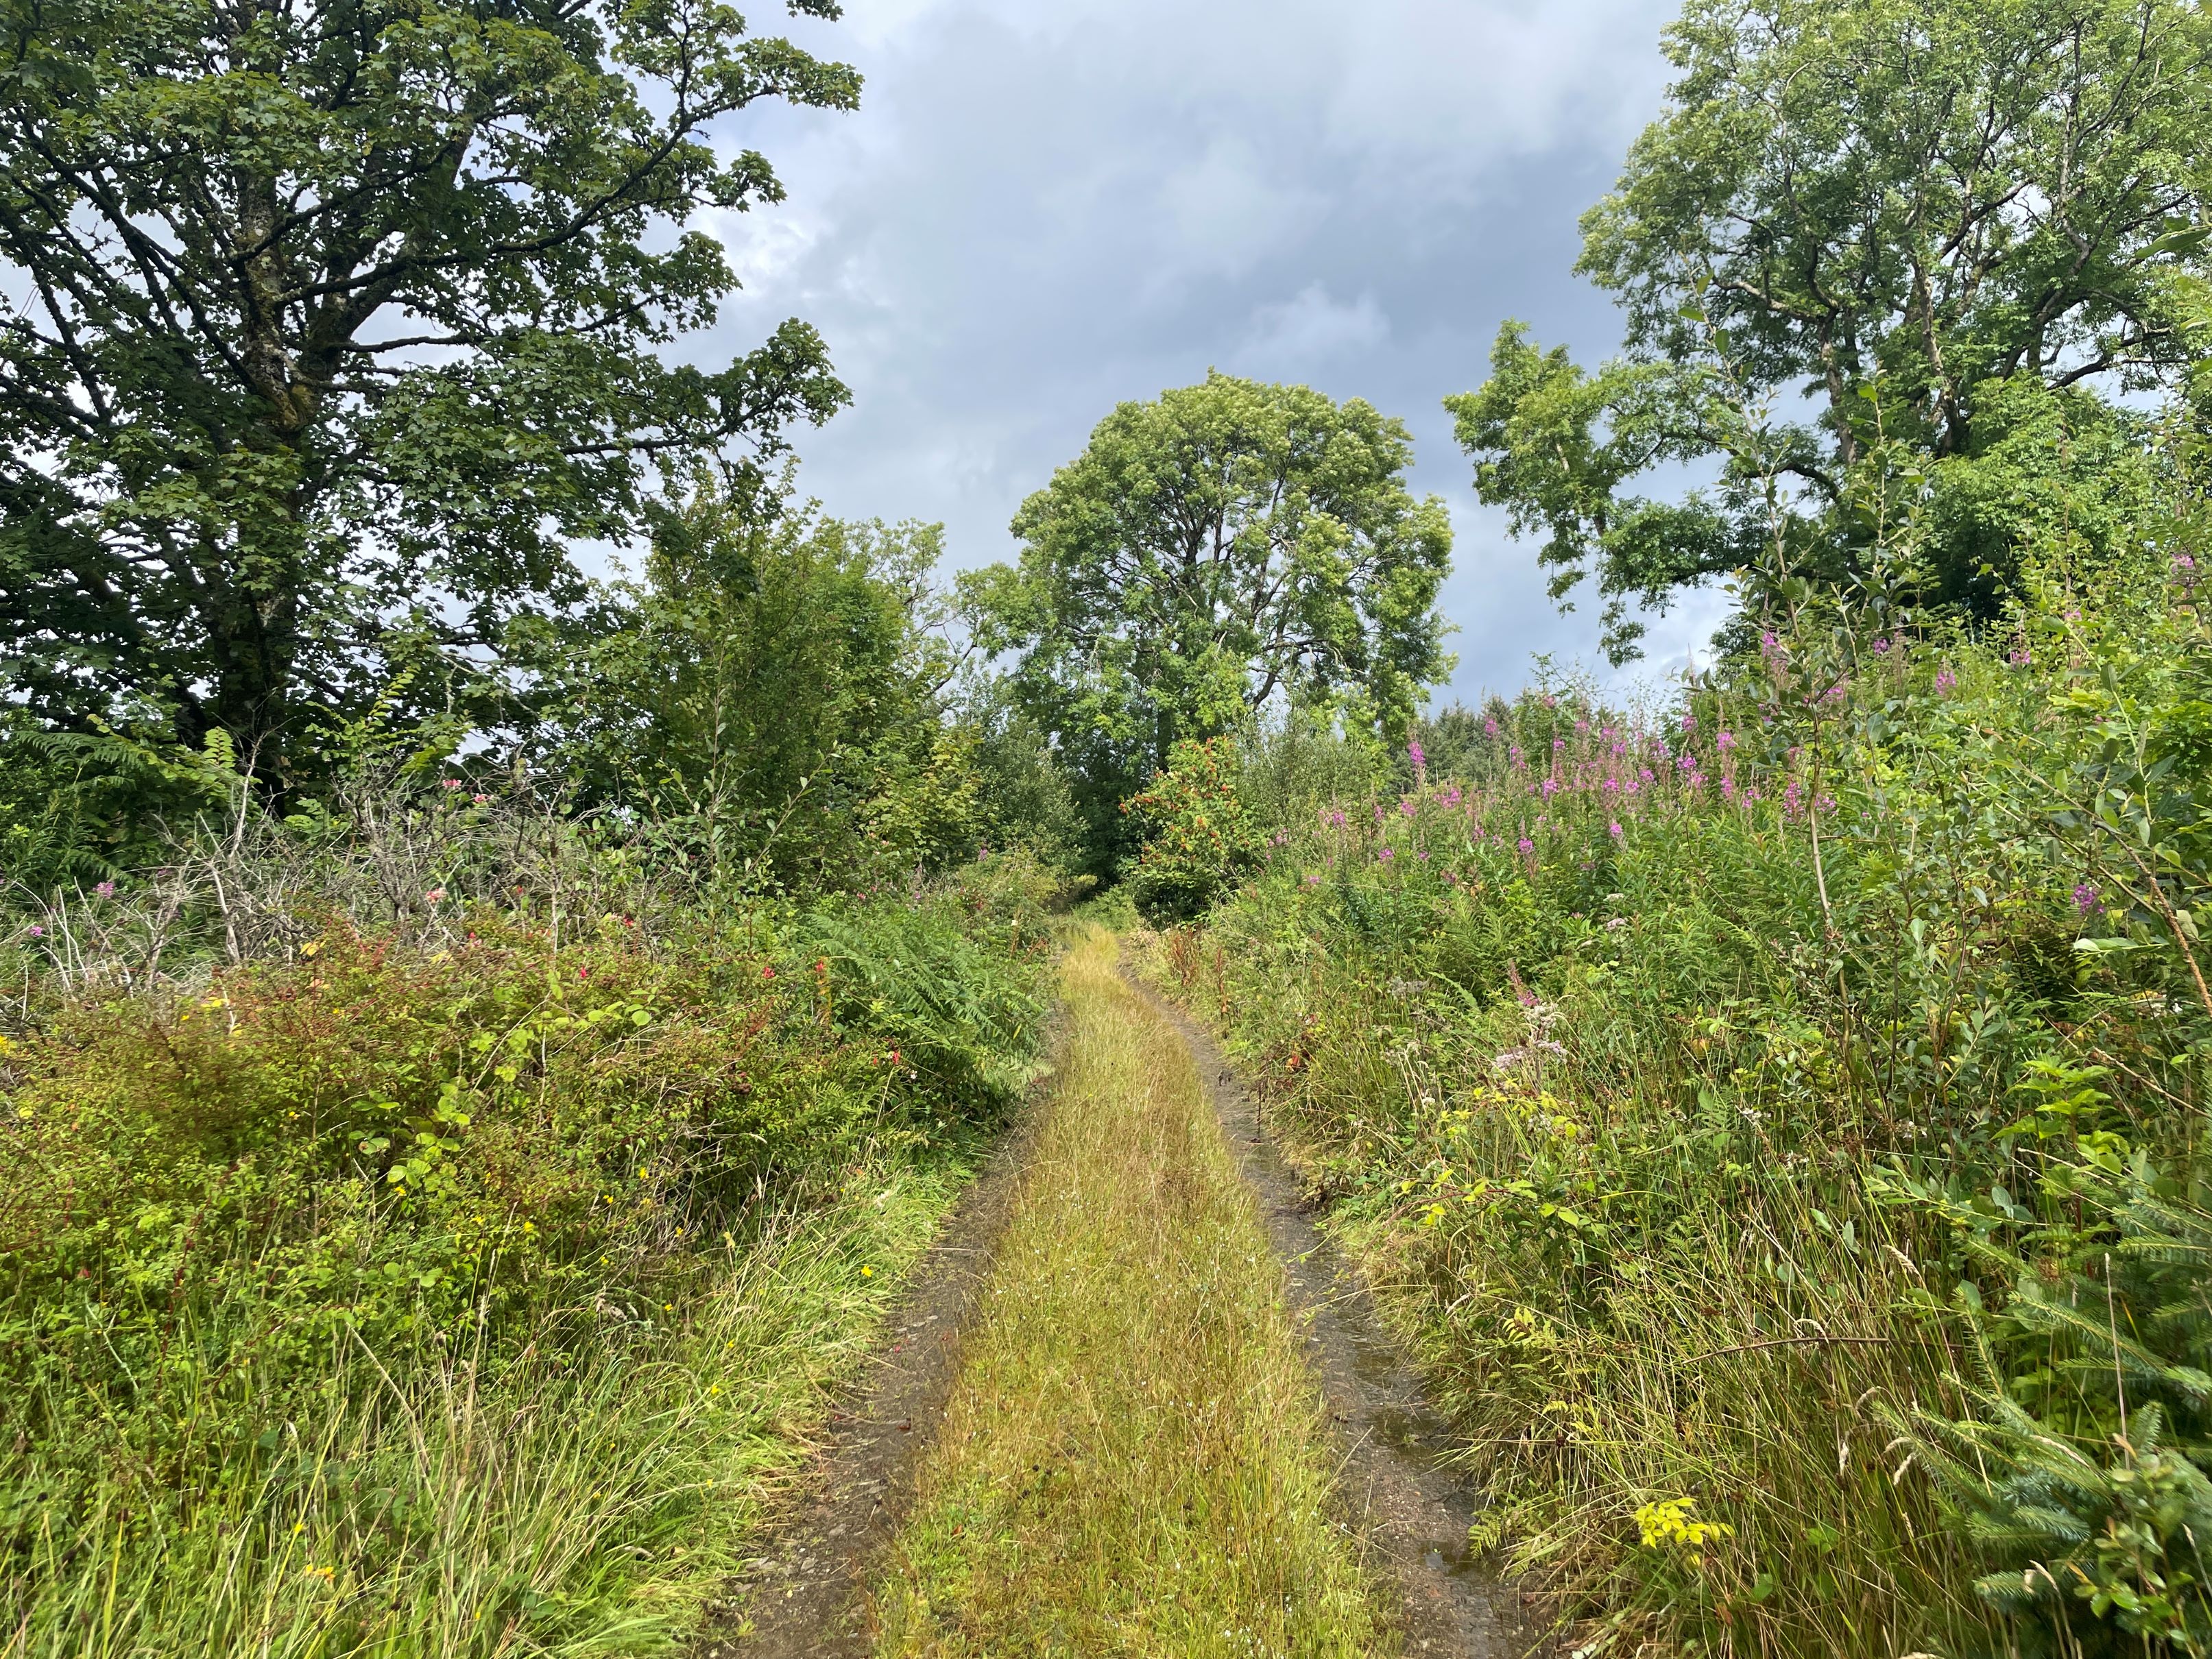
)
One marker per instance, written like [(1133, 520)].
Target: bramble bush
[(426, 1161)]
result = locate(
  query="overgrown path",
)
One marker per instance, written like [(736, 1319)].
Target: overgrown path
[(1158, 1442)]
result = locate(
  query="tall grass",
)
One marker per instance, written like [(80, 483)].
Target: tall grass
[(423, 1501), (459, 1270), (1747, 1110)]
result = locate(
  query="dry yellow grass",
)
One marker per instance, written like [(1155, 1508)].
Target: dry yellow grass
[(1133, 1460)]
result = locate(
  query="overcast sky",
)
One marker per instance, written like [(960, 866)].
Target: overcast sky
[(1045, 207)]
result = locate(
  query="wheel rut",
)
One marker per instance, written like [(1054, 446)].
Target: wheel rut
[(1412, 1509), (804, 1598)]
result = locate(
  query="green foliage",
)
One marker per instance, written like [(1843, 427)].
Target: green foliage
[(772, 696), (1943, 224), (1791, 1109), (340, 316), (1198, 841), (306, 1190), (1228, 547), (78, 808), (2082, 1470)]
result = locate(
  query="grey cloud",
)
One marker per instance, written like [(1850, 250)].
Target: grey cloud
[(1044, 209)]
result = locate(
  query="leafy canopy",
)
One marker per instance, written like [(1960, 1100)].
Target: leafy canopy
[(1227, 548), (349, 312), (1910, 238), (773, 689)]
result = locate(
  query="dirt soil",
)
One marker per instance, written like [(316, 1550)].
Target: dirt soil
[(1413, 1510), (805, 1600)]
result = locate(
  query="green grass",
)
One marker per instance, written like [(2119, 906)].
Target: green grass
[(1133, 1460), (560, 1508)]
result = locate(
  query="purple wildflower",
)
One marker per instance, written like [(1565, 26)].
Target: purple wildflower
[(2085, 897)]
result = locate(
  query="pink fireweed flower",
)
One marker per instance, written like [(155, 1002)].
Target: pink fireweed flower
[(1423, 855), (1489, 726), (1420, 761), (1526, 845), (1689, 722), (1386, 854), (1946, 682), (37, 932), (1613, 829), (1558, 744), (1551, 788), (1612, 786), (1725, 742), (2085, 897), (106, 890), (1881, 648), (1407, 807)]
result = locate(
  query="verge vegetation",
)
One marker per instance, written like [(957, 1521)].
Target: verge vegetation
[(1777, 1119), (465, 1281)]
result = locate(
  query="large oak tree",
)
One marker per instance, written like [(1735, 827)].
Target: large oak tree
[(1227, 548), (323, 316)]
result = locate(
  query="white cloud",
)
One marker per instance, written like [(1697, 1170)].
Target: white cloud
[(1312, 329)]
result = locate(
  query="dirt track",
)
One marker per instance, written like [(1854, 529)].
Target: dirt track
[(804, 1600), (1414, 1513), (806, 1596)]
